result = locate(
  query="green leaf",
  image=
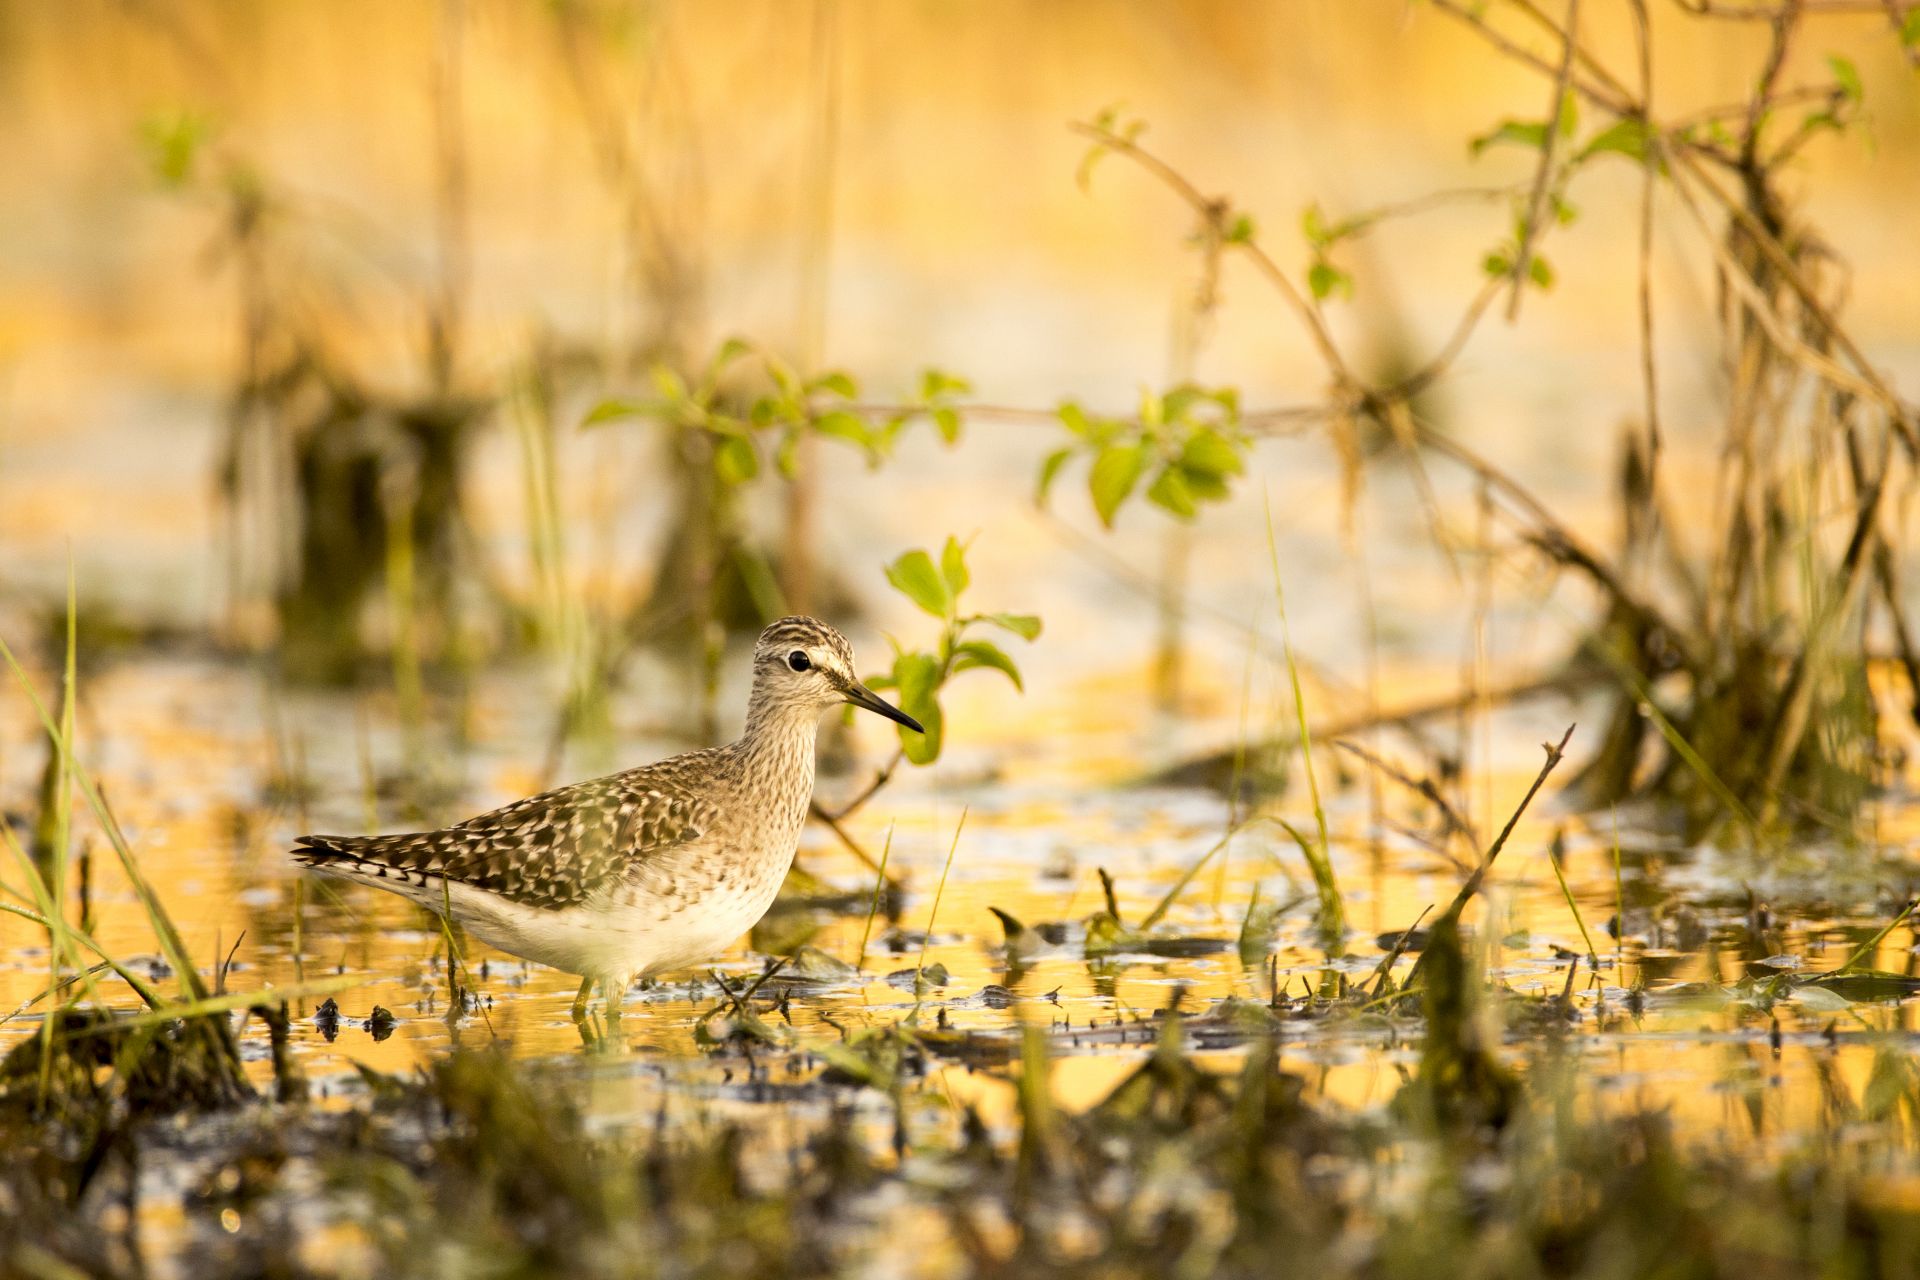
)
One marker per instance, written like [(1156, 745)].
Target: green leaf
[(1847, 76), (836, 381), (1204, 485), (1169, 491), (1074, 419), (1024, 625), (1048, 470), (1313, 225), (1630, 138), (1500, 263), (669, 384), (917, 676), (984, 653), (842, 425), (1324, 280), (174, 143), (914, 577), (730, 350), (1323, 235), (1115, 472), (1152, 410), (946, 420), (953, 567), (1240, 230), (734, 460), (1519, 133), (1178, 402), (1083, 174), (785, 379), (935, 383), (1207, 452), (1820, 1000), (618, 407), (1822, 119), (1910, 29)]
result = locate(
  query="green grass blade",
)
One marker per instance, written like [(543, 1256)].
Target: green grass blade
[(1168, 898), (1592, 955), (1333, 914), (169, 937), (1867, 947), (879, 885), (934, 914)]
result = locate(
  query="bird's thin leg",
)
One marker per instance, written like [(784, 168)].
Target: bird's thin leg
[(616, 990), (580, 1000)]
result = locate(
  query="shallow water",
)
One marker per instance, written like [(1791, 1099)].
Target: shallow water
[(185, 747)]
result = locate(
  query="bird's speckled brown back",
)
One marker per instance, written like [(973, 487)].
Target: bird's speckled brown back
[(739, 807)]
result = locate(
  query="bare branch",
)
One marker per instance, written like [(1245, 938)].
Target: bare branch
[(1213, 211), (1772, 12), (1599, 95), (1425, 788)]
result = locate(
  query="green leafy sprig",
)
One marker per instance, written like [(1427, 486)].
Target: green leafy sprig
[(921, 674), (1187, 445), (747, 429)]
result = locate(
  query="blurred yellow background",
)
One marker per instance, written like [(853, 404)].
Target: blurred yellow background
[(872, 185)]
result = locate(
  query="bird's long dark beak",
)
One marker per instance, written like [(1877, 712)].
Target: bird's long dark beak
[(861, 696)]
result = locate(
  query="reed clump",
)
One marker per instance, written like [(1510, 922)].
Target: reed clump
[(1747, 641), (93, 1060)]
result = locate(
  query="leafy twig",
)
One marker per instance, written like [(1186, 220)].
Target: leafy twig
[(1537, 199)]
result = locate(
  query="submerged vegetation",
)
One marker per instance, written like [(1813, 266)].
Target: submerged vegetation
[(1482, 1163), (879, 1091)]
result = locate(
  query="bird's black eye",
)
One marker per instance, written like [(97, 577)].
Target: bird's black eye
[(798, 661)]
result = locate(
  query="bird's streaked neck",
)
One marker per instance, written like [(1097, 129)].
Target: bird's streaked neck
[(779, 727)]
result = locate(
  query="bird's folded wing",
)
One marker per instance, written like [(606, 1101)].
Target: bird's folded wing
[(553, 850)]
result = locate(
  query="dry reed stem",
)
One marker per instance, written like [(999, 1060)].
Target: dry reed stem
[(1543, 172)]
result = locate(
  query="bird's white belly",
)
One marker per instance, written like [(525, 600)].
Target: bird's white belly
[(621, 936)]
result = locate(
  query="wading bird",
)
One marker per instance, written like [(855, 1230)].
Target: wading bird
[(642, 871)]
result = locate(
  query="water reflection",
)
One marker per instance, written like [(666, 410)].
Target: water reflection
[(1678, 1017)]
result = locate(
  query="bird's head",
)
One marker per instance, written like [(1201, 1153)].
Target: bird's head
[(804, 663)]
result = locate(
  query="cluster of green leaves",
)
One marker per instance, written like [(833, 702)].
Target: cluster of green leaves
[(1846, 95), (920, 674), (1324, 279), (1534, 135), (744, 428), (1109, 120), (1629, 137), (1188, 440), (1531, 134)]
